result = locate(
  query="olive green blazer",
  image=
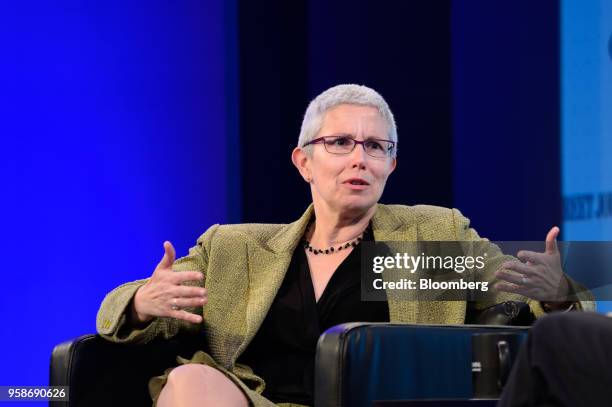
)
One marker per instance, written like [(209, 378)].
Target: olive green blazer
[(244, 266)]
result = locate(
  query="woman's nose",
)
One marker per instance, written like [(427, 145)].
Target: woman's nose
[(358, 156)]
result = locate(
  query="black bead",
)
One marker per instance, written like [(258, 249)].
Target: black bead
[(332, 249)]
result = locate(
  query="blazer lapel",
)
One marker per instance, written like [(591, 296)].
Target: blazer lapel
[(267, 268), (388, 227)]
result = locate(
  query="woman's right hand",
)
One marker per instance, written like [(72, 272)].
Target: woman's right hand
[(164, 296)]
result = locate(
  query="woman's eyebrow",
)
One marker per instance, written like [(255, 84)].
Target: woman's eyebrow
[(366, 138)]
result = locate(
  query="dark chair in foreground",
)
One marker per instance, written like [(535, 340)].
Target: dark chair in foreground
[(352, 365)]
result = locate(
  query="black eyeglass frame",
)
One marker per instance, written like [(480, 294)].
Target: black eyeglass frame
[(322, 139)]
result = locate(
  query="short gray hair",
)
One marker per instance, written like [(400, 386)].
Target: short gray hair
[(344, 94)]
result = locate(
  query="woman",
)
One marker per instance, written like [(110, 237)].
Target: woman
[(262, 294)]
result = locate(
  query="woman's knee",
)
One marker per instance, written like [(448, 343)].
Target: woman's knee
[(191, 373), (204, 383)]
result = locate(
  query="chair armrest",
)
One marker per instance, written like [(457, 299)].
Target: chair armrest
[(358, 363), (103, 373)]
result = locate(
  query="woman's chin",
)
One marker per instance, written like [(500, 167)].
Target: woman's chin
[(357, 205)]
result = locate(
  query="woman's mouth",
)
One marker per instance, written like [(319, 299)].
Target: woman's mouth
[(356, 184)]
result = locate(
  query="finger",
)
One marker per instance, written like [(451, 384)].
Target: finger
[(186, 316), (180, 277), (190, 292), (169, 255), (551, 240), (531, 257), (519, 267), (193, 302), (511, 277)]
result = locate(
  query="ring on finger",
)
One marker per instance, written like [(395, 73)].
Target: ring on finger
[(174, 305), (524, 280)]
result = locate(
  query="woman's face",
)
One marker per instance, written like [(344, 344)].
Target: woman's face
[(352, 182)]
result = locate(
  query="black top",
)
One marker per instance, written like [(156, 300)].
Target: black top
[(283, 350)]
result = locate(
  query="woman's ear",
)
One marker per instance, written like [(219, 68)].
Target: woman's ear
[(393, 164), (302, 162)]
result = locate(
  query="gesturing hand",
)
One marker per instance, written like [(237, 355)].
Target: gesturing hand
[(540, 277), (164, 296)]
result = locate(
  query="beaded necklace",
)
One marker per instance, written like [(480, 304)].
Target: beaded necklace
[(332, 249)]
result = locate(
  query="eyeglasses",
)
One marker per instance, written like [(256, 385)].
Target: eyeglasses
[(341, 145)]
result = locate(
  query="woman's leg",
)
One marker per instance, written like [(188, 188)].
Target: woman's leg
[(200, 385)]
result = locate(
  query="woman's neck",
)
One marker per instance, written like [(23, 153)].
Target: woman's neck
[(332, 228)]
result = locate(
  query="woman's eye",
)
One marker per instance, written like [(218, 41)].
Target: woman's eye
[(373, 145), (341, 141)]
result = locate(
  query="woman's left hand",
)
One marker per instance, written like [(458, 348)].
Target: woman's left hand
[(539, 276)]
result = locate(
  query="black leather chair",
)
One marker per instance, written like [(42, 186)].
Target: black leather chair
[(350, 362)]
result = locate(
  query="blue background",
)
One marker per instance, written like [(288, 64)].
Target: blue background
[(125, 124), (115, 138)]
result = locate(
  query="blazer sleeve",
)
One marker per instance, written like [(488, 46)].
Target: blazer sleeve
[(495, 258), (112, 321)]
